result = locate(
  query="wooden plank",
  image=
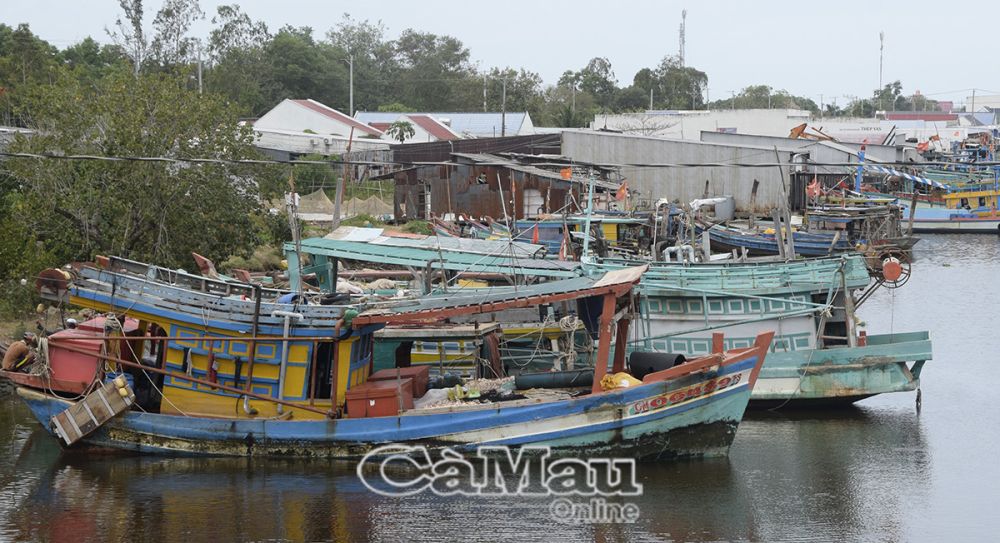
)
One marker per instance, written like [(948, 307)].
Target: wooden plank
[(88, 414)]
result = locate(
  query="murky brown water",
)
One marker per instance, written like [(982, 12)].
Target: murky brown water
[(878, 472)]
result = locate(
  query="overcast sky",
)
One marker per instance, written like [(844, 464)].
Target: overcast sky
[(808, 48)]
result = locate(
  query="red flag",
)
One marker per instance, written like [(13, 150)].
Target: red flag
[(622, 191), (534, 235)]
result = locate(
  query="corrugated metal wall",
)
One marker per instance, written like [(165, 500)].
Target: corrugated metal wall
[(684, 184), (457, 189)]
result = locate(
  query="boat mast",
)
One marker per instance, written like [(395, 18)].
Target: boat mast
[(585, 257)]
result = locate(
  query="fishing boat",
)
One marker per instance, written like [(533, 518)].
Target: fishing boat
[(818, 354), (964, 212), (307, 389), (828, 229)]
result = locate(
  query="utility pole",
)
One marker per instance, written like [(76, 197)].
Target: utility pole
[(821, 106), (350, 63), (972, 109), (734, 100), (503, 111), (881, 48), (650, 98), (199, 68), (484, 93)]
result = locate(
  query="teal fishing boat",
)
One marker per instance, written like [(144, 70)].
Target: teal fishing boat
[(819, 353)]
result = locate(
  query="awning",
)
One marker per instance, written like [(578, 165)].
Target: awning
[(911, 177)]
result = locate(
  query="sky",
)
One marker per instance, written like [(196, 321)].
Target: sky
[(826, 51)]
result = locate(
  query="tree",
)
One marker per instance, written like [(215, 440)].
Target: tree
[(239, 66), (298, 67), (375, 64), (157, 211), (524, 90), (435, 74), (679, 86), (596, 79), (171, 46), (400, 131), (129, 34)]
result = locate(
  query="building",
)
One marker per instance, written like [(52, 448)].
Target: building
[(426, 128), (685, 170), (518, 176), (982, 102), (294, 128), (311, 116), (688, 125), (466, 125)]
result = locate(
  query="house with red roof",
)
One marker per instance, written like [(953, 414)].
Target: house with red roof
[(425, 129), (310, 116)]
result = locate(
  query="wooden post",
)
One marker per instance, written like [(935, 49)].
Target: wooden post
[(603, 342), (718, 342), (621, 342), (852, 334), (779, 236), (753, 202), (913, 211), (253, 336)]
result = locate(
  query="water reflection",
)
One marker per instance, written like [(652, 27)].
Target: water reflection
[(876, 472), (790, 477)]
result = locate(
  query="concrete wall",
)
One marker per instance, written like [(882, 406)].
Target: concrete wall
[(684, 184)]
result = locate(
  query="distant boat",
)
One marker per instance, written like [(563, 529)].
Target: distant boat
[(964, 212)]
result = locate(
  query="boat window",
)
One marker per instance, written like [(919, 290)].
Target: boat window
[(982, 201)]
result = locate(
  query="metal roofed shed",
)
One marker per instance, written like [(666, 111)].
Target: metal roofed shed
[(488, 185)]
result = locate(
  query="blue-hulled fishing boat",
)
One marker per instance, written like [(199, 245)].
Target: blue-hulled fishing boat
[(305, 370)]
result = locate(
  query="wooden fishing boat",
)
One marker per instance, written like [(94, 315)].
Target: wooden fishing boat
[(308, 376), (818, 355), (964, 212)]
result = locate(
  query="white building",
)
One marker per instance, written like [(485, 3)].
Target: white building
[(313, 117), (466, 125), (688, 125), (305, 127)]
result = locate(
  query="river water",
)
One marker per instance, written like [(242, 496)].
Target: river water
[(880, 471)]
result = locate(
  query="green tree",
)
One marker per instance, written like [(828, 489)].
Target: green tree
[(435, 73), (524, 90), (400, 131), (297, 67), (596, 79), (375, 64), (157, 211), (239, 65)]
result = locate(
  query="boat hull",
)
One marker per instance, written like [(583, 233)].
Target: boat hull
[(957, 226), (649, 422), (843, 375)]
